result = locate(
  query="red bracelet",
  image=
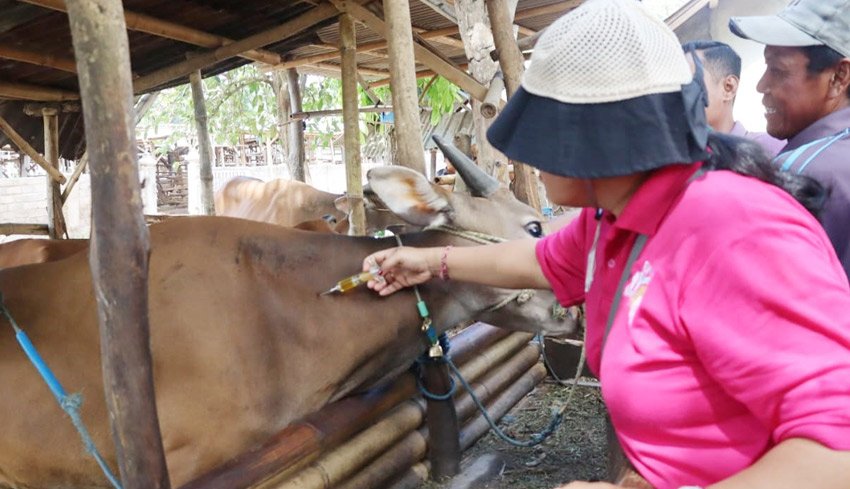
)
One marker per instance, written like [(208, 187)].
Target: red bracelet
[(444, 266)]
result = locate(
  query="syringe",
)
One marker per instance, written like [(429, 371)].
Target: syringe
[(353, 281)]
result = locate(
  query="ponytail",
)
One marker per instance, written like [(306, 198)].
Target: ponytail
[(748, 158)]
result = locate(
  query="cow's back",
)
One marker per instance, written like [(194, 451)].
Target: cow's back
[(281, 202), (29, 251)]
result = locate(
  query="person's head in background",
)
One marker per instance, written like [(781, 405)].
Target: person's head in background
[(721, 75), (807, 52)]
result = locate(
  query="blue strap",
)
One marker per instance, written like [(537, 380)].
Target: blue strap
[(792, 158), (832, 141)]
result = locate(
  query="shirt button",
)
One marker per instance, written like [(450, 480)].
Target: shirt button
[(611, 263)]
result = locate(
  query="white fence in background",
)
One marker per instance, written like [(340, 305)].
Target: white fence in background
[(24, 200)]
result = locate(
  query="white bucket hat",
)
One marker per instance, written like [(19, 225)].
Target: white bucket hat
[(608, 93), (802, 23)]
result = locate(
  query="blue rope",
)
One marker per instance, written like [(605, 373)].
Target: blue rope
[(69, 403)]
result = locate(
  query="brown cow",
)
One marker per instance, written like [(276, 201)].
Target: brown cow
[(27, 251), (242, 343)]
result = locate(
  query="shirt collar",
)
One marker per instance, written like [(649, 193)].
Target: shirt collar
[(821, 128), (653, 199), (738, 130)]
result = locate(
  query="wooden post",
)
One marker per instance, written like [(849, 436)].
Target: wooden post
[(408, 135), (120, 244), (296, 129), (351, 125), (444, 452), (282, 111), (433, 173), (204, 146), (55, 219), (512, 63)]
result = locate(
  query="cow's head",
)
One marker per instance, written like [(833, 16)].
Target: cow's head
[(489, 209)]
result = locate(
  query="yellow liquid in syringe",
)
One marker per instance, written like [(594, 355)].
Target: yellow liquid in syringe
[(353, 281)]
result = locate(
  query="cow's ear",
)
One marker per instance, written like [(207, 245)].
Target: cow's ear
[(409, 195), (341, 204)]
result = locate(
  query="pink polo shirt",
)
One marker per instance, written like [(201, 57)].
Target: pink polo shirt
[(733, 333)]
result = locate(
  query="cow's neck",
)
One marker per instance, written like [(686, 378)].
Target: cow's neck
[(450, 303)]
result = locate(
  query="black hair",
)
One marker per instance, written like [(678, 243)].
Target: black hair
[(720, 59), (820, 58), (748, 158)]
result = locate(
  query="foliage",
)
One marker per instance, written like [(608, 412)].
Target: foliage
[(242, 102)]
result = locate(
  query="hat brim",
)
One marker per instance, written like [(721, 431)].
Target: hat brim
[(595, 140), (771, 30)]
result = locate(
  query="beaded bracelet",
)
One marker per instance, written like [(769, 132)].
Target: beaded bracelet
[(444, 265)]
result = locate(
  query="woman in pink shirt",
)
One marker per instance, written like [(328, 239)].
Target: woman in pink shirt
[(718, 316)]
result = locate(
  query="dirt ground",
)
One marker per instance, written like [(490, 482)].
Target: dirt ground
[(576, 451)]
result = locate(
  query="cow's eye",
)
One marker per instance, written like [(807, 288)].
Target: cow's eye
[(534, 228)]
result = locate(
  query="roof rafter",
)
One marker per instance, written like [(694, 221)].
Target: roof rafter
[(162, 28)]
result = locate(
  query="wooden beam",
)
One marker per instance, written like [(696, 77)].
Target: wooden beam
[(337, 112), (22, 91), (204, 146), (66, 192), (419, 74), (555, 8), (279, 33), (316, 58), (421, 53), (351, 126), (170, 30), (25, 147), (364, 71), (9, 228), (685, 13), (525, 31), (446, 9), (39, 59), (120, 242)]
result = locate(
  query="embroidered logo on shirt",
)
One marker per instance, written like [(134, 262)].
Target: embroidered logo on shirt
[(636, 289)]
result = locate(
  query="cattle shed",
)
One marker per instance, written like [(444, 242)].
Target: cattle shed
[(69, 73)]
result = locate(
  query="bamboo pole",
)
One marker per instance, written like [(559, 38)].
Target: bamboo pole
[(158, 27), (23, 91), (39, 59), (503, 403), (308, 60), (496, 381), (491, 104), (351, 127), (204, 146), (413, 478), (389, 29), (402, 455), (17, 228), (333, 468), (120, 244), (304, 441), (55, 218), (296, 130), (512, 63), (281, 32), (25, 147)]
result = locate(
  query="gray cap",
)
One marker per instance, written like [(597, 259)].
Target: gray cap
[(802, 23)]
